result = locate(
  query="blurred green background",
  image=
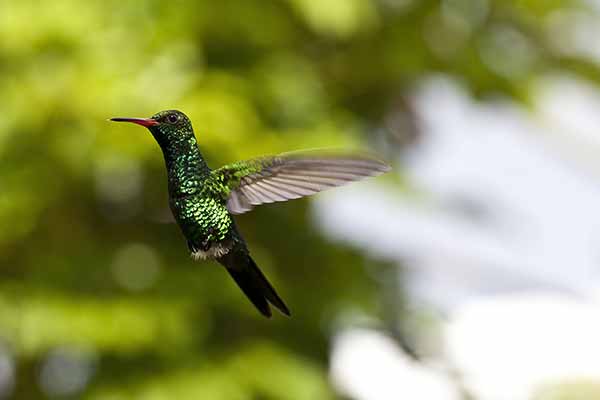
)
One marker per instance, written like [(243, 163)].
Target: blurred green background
[(98, 296)]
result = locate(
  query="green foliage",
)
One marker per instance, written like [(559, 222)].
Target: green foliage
[(84, 263), (279, 374)]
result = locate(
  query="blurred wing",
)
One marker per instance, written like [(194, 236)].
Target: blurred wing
[(290, 176)]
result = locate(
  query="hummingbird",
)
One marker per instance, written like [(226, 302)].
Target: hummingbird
[(203, 201)]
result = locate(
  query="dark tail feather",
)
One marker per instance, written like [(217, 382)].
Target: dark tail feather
[(253, 283)]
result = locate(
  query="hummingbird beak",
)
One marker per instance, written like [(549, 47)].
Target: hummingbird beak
[(147, 122)]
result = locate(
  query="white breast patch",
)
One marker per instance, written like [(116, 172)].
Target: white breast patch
[(215, 251)]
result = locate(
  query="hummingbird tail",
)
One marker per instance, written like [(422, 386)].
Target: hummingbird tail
[(253, 283)]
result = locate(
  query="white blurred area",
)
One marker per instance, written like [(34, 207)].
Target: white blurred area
[(500, 234), (361, 356)]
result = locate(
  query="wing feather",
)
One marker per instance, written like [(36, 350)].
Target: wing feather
[(291, 176), (255, 195), (272, 194), (300, 187), (286, 192)]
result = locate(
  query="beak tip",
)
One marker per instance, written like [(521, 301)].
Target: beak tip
[(147, 122)]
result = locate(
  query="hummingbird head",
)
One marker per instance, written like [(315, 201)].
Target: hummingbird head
[(170, 126)]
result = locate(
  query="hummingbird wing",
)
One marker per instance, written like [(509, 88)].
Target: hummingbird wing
[(291, 175)]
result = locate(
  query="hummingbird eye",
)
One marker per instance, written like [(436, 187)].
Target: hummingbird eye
[(172, 118)]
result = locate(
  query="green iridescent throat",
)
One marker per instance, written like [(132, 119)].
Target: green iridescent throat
[(186, 168), (194, 199)]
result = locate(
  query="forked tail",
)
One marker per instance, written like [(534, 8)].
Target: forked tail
[(253, 283)]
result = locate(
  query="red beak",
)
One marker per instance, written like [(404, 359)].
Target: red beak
[(147, 122)]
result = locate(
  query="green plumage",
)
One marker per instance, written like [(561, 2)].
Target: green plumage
[(203, 201)]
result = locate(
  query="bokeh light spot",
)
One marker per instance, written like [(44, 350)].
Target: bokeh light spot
[(66, 371), (136, 267)]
